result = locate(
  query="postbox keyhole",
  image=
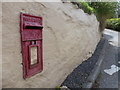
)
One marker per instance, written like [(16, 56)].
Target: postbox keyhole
[(33, 42)]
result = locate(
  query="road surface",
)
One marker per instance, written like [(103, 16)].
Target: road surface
[(110, 70)]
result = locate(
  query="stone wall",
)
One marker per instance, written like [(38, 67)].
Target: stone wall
[(69, 37)]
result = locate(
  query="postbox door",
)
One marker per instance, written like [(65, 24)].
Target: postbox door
[(31, 42)]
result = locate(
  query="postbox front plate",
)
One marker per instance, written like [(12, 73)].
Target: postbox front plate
[(31, 43)]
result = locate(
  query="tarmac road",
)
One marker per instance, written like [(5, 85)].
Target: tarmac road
[(110, 69)]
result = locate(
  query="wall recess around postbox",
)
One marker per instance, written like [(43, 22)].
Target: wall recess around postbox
[(31, 43)]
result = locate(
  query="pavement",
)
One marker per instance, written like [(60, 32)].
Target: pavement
[(110, 69)]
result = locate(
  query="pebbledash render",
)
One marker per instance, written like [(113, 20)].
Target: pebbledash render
[(68, 35)]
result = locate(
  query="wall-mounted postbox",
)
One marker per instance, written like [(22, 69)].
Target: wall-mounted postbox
[(31, 42)]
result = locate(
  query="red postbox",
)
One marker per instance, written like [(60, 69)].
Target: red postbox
[(31, 43)]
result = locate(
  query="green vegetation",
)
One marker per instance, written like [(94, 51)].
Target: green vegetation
[(107, 9), (102, 10), (114, 24), (57, 88), (87, 9)]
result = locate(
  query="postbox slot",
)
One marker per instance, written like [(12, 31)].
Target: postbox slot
[(32, 25)]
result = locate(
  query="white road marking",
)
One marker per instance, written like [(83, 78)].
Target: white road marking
[(113, 70), (119, 62)]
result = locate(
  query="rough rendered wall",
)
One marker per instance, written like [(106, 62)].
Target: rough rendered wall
[(69, 35), (0, 45)]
